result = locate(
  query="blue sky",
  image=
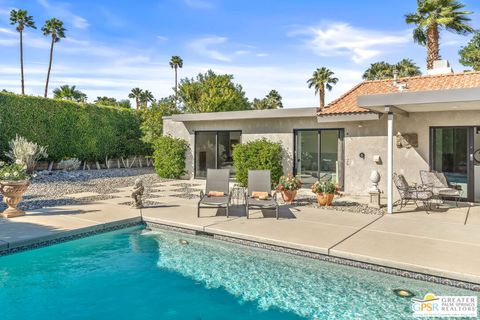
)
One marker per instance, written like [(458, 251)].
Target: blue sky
[(112, 46)]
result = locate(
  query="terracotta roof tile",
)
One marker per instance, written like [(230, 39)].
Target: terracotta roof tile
[(347, 103)]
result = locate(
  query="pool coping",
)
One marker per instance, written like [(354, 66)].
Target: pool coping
[(68, 235), (324, 257)]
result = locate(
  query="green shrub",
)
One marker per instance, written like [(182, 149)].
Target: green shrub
[(257, 155), (169, 157), (69, 129)]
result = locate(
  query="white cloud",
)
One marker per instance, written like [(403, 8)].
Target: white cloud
[(342, 39), (62, 10), (203, 47), (162, 39), (199, 4)]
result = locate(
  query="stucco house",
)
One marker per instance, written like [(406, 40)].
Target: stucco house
[(399, 125)]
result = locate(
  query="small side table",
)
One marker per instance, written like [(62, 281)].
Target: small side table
[(238, 194)]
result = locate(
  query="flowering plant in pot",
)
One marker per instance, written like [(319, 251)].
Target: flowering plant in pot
[(14, 182), (325, 191), (288, 186)]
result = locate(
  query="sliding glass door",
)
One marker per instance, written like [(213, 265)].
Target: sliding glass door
[(319, 155), (213, 150), (451, 153)]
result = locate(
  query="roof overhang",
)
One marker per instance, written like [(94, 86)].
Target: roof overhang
[(246, 115), (346, 117), (422, 101)]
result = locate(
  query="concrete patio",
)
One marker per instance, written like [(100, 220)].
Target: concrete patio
[(445, 242)]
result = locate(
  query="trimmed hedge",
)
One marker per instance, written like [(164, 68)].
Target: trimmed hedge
[(69, 129), (257, 155), (169, 157)]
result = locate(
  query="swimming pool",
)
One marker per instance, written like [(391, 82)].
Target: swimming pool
[(140, 274)]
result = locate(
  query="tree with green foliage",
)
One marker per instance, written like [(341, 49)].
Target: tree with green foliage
[(322, 79), (470, 54), (124, 103), (71, 93), (105, 101), (109, 101), (169, 157), (136, 93), (384, 70), (152, 118), (146, 97), (211, 92), (54, 28), (273, 100), (432, 16), (22, 20), (175, 63), (259, 154)]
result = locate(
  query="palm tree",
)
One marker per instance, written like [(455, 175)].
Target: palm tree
[(71, 93), (53, 27), (274, 100), (433, 15), (175, 63), (384, 70), (407, 68), (136, 94), (146, 97), (322, 78), (22, 20)]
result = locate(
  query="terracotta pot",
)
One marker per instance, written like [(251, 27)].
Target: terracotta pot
[(325, 199), (321, 199), (12, 192), (329, 197), (289, 195)]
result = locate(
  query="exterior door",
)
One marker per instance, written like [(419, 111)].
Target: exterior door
[(319, 155), (452, 154), (213, 150)]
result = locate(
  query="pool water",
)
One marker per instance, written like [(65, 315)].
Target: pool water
[(141, 274)]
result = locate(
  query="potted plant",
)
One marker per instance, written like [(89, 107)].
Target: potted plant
[(325, 191), (14, 181), (288, 186)]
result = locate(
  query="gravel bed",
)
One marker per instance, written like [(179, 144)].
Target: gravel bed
[(50, 189), (186, 190), (339, 205), (185, 185), (186, 196)]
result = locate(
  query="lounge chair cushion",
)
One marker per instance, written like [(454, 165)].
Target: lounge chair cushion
[(259, 194), (216, 193)]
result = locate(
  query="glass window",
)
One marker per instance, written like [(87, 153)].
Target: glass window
[(213, 150), (319, 155)]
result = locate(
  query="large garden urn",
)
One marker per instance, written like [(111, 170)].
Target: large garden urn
[(13, 192)]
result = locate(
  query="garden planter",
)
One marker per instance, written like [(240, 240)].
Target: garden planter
[(289, 195), (12, 192), (325, 199), (329, 197)]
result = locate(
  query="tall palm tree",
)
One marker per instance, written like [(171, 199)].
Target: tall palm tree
[(146, 97), (433, 15), (175, 63), (22, 20), (71, 93), (322, 78), (136, 94), (54, 28)]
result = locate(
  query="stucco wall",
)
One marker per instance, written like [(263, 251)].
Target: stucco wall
[(368, 137)]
